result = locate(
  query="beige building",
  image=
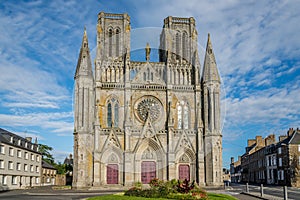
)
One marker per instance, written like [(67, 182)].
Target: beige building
[(269, 162), (48, 174), (20, 162), (139, 120)]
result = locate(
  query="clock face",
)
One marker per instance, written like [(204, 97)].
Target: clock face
[(148, 106)]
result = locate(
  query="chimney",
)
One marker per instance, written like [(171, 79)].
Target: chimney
[(232, 160), (251, 142), (259, 141), (70, 156), (290, 132), (240, 158), (29, 139), (270, 140)]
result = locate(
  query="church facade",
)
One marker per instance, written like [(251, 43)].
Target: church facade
[(139, 120)]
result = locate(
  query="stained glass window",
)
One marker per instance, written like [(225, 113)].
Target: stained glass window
[(109, 114), (116, 113), (186, 117), (179, 117)]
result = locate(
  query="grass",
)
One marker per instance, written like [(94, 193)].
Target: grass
[(211, 196)]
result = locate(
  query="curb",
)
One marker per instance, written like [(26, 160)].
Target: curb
[(252, 195)]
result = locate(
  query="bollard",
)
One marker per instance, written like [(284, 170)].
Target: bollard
[(285, 193), (247, 188), (261, 190)]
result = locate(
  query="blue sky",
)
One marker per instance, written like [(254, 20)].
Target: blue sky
[(256, 44)]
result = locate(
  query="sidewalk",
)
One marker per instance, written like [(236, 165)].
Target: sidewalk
[(265, 196)]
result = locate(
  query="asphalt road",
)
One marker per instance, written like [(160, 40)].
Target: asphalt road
[(275, 191), (49, 193)]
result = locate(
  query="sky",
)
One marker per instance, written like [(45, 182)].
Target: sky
[(256, 44)]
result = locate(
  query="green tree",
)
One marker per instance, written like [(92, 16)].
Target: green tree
[(45, 150), (61, 168)]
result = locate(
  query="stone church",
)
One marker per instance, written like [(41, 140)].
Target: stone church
[(139, 120)]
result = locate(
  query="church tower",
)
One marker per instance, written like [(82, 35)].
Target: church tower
[(113, 47), (83, 117), (211, 116)]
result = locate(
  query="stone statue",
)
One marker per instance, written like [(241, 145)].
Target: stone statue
[(148, 51)]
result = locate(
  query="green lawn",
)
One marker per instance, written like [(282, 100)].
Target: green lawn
[(214, 196), (211, 196)]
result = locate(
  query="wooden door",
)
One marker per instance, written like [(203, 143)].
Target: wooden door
[(148, 171), (184, 172), (112, 174)]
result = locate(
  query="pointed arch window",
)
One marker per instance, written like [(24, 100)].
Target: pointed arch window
[(110, 34), (177, 51), (113, 113), (116, 115), (109, 115), (179, 112), (183, 115), (117, 42), (184, 45)]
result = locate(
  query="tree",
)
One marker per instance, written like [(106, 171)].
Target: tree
[(46, 155)]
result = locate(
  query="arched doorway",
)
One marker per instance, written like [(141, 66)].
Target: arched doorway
[(148, 166), (148, 171), (112, 174), (184, 172)]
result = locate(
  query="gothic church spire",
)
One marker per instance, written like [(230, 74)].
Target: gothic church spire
[(84, 65), (210, 70)]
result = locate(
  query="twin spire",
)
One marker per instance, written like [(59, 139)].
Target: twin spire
[(210, 70), (84, 65)]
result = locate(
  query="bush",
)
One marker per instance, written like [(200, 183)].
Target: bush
[(138, 185), (133, 191), (168, 189), (185, 186)]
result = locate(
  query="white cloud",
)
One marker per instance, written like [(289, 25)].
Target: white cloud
[(56, 122)]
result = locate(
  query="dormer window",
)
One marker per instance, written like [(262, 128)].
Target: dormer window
[(11, 139), (26, 144), (19, 142)]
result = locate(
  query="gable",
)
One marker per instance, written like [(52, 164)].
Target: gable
[(147, 75)]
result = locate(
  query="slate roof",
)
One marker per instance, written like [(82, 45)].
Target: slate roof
[(5, 137), (47, 165), (68, 161), (293, 139)]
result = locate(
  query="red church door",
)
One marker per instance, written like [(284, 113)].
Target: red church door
[(148, 171), (184, 172), (112, 174)]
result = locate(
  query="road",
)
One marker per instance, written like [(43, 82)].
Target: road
[(276, 191), (47, 193)]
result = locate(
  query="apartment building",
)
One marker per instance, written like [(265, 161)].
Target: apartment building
[(269, 162), (20, 161), (48, 174), (235, 170)]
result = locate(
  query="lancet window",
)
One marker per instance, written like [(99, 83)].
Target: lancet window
[(113, 113), (183, 115)]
